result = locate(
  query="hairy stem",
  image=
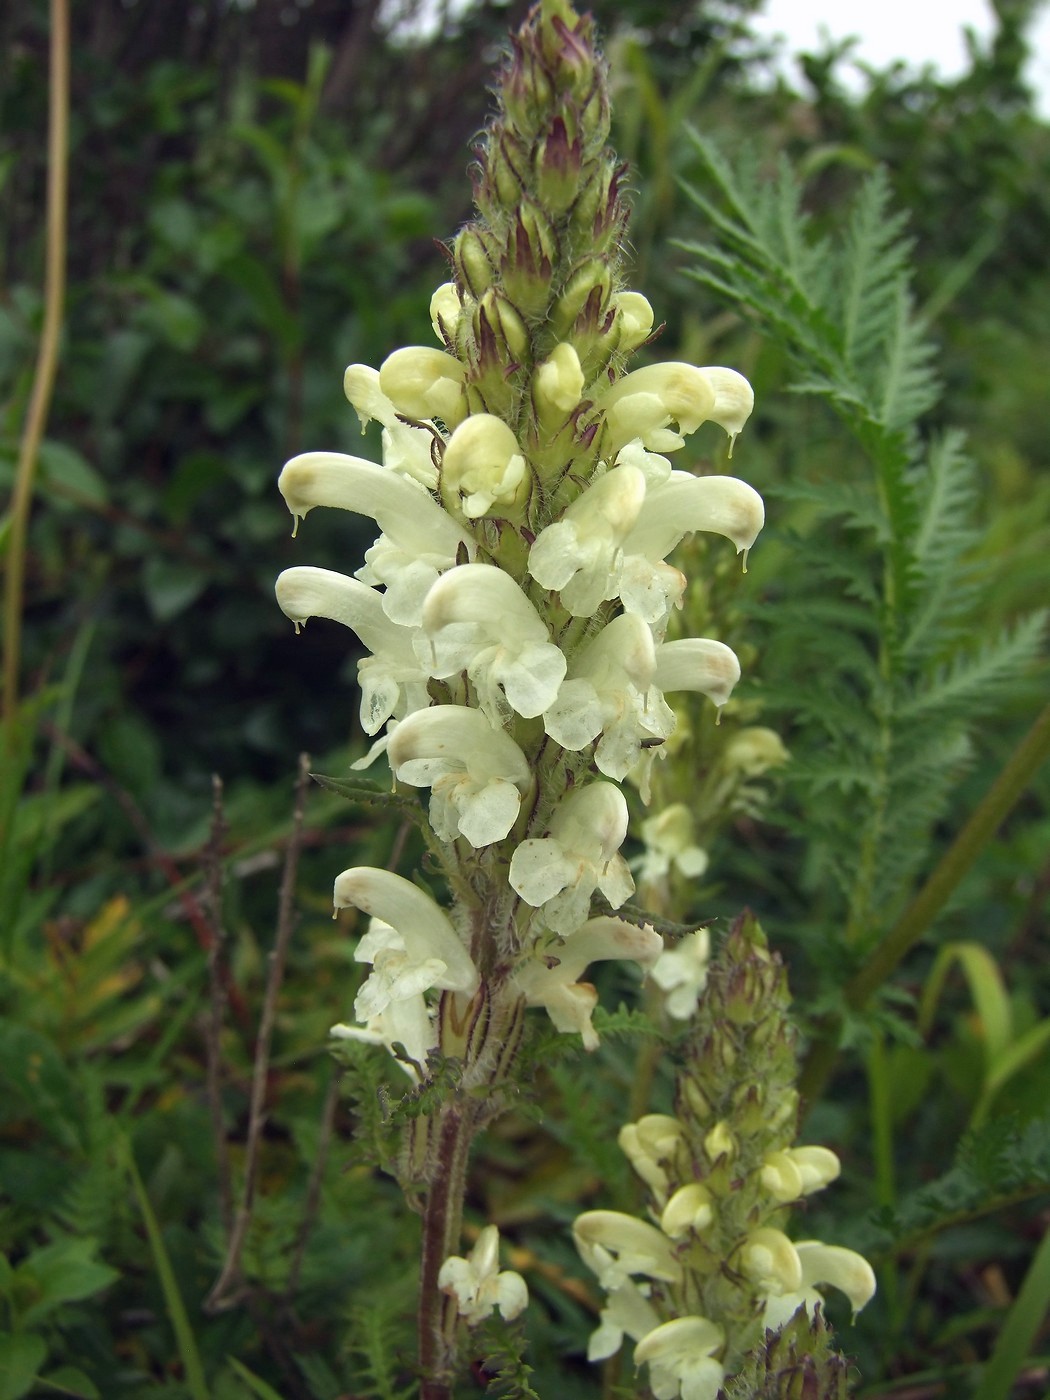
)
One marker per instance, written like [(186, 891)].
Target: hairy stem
[(442, 1221)]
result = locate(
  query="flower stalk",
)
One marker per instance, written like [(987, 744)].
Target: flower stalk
[(515, 605)]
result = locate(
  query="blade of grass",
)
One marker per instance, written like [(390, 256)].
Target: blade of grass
[(1022, 1323), (180, 1322), (255, 1385)]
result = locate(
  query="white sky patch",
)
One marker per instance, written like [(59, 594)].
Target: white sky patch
[(888, 31), (896, 30)]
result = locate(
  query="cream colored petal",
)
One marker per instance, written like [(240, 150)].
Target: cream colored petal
[(421, 922)]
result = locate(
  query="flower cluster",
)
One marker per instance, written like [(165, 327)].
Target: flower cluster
[(514, 605), (698, 1284)]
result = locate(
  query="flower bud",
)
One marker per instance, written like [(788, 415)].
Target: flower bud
[(474, 258), (511, 333), (424, 383), (558, 167), (634, 320), (484, 464), (557, 385), (719, 1142), (688, 1210), (590, 280)]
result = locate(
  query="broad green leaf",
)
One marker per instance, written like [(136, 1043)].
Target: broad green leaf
[(68, 479), (171, 586), (60, 1273), (21, 1356)]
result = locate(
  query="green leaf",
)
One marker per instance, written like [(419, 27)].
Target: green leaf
[(364, 790), (59, 1273), (175, 318), (21, 1356), (171, 586), (39, 1084), (68, 478), (987, 989), (70, 1380)]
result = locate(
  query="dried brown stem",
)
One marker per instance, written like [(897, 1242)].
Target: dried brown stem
[(313, 1189), (228, 1289)]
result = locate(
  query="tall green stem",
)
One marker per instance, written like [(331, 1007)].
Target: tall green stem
[(47, 358)]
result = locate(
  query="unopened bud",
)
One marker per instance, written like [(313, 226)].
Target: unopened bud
[(592, 276), (474, 261), (719, 1142), (558, 167), (484, 464), (634, 320), (557, 385), (424, 383), (689, 1209)]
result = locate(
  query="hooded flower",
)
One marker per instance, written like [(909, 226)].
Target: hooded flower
[(818, 1264), (411, 944), (392, 680), (798, 1171), (615, 1246), (610, 692), (680, 1356), (681, 972), (476, 773), (697, 663), (673, 509), (419, 539), (484, 465), (478, 1285), (561, 871), (424, 383), (668, 837), (651, 1145), (581, 554), (406, 1021), (551, 977), (407, 450), (476, 619), (627, 1312), (645, 402)]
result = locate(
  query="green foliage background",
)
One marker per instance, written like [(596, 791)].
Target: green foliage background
[(254, 205)]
